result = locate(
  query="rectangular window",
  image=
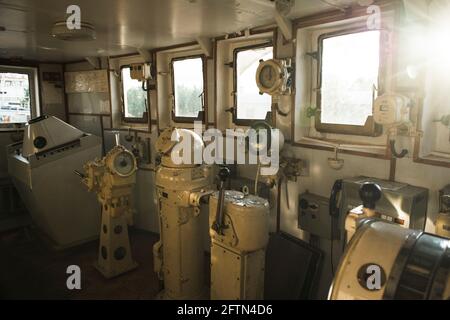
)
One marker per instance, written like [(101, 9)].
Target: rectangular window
[(135, 102), (249, 104), (188, 82), (15, 97), (348, 77)]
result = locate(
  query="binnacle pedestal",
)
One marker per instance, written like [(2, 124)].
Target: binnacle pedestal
[(113, 179), (179, 258)]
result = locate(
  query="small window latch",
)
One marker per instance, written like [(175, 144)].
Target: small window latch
[(230, 110), (314, 55)]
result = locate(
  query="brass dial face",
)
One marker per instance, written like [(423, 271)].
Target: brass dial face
[(268, 76), (124, 163)]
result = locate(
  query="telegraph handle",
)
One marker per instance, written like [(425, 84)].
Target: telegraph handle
[(218, 225)]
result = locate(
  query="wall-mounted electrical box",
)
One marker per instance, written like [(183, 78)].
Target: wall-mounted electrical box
[(313, 215), (400, 203), (140, 71), (391, 109)]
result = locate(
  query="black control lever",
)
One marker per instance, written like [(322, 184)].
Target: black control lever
[(218, 225), (78, 173), (370, 194)]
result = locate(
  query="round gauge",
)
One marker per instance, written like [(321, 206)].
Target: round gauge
[(124, 163), (268, 76)]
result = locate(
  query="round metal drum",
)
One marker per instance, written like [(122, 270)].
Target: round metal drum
[(385, 261), (375, 244), (246, 218)]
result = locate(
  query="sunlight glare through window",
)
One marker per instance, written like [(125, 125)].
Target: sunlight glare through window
[(350, 66)]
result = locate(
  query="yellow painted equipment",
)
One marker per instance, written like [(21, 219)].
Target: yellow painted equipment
[(385, 261), (238, 247), (179, 258), (113, 179), (370, 194), (443, 225), (412, 265), (274, 77)]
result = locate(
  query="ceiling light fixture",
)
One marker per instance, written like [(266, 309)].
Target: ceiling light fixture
[(85, 33)]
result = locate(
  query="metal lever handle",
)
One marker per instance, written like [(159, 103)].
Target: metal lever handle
[(117, 136), (370, 194), (218, 224), (78, 173)]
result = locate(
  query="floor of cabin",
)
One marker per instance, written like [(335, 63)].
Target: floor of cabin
[(29, 269)]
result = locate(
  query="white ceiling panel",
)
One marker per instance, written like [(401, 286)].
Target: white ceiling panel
[(124, 25)]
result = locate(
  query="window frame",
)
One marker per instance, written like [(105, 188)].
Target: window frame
[(145, 115), (32, 72), (236, 120), (202, 114), (370, 128)]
